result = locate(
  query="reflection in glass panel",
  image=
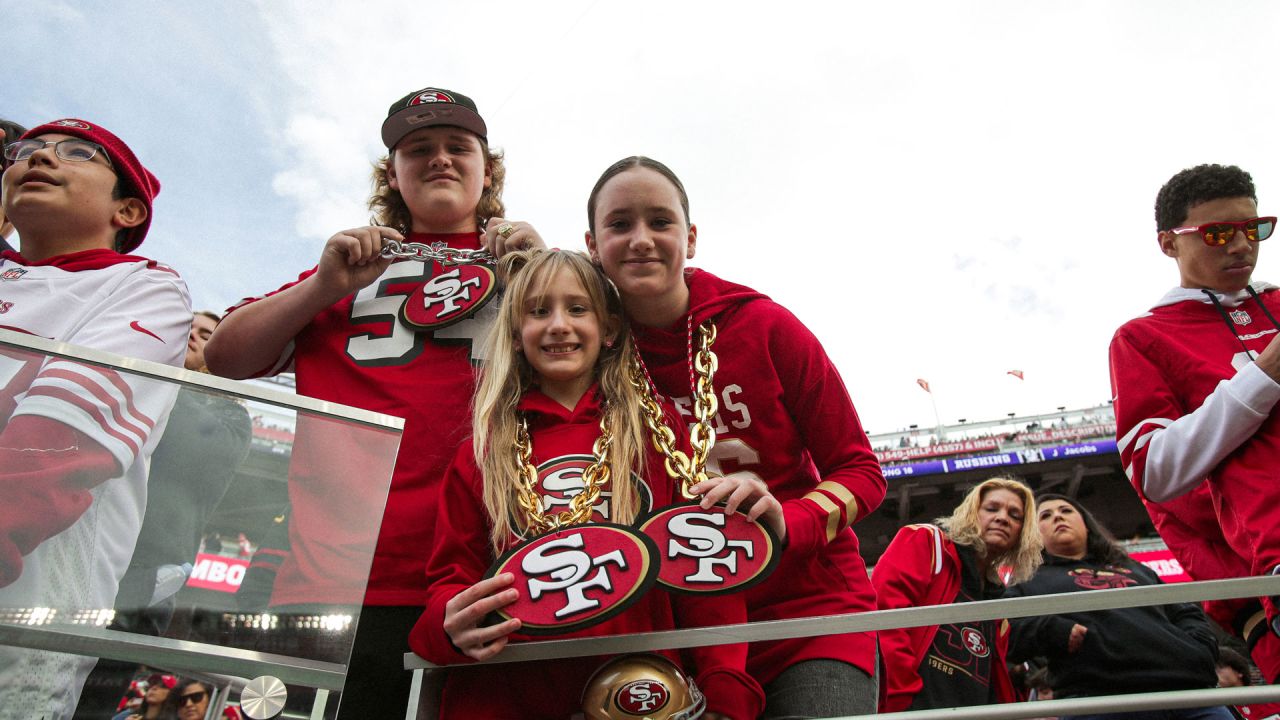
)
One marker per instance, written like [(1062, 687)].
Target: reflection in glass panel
[(136, 506)]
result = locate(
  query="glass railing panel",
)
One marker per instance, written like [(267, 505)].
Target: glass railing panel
[(159, 526)]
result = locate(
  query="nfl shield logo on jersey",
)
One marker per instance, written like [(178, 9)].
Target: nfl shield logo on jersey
[(1240, 317), (13, 273)]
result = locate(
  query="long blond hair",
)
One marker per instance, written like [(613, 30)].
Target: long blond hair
[(507, 376), (962, 527)]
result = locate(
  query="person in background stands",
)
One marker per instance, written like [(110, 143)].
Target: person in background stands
[(959, 559), (1109, 652)]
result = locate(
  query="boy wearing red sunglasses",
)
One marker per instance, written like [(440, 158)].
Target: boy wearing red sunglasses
[(1196, 380)]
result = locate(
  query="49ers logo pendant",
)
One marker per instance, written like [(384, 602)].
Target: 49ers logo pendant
[(560, 480), (449, 297), (709, 552), (576, 577)]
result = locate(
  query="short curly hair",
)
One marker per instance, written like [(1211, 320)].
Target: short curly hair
[(1196, 185)]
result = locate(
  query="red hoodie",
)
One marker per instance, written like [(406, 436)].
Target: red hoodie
[(784, 415), (1189, 527), (552, 689)]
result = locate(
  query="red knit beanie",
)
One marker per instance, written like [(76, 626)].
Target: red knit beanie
[(137, 181)]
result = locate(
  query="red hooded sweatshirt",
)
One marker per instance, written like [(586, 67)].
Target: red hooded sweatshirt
[(784, 415)]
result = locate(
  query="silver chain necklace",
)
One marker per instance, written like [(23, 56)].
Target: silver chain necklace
[(438, 251)]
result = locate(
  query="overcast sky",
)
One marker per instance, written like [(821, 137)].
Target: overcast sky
[(941, 190)]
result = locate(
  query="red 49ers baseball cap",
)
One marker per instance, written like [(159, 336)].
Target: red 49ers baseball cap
[(137, 181), (168, 681), (428, 107)]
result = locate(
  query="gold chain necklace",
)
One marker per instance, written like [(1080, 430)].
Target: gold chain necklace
[(680, 467), (593, 479)]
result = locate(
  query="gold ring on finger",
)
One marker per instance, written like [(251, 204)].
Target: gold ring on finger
[(505, 230)]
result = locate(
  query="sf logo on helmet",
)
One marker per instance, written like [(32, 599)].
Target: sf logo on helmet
[(698, 535), (642, 696), (567, 566)]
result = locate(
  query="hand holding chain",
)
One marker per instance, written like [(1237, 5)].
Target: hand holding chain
[(593, 479)]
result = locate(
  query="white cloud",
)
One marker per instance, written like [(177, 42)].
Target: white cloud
[(940, 190)]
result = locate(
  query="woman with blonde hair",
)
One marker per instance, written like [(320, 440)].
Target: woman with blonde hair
[(985, 544)]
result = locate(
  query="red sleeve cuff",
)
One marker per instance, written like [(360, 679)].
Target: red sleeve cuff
[(428, 638), (804, 535), (732, 693)]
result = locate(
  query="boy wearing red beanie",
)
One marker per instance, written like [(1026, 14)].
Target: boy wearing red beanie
[(79, 199)]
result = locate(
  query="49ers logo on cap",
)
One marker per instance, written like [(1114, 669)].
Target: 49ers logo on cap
[(577, 577), (707, 551), (975, 642), (642, 696), (72, 123), (449, 297), (432, 95), (560, 480)]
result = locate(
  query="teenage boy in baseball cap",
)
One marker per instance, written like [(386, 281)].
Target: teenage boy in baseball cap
[(80, 199), (397, 334)]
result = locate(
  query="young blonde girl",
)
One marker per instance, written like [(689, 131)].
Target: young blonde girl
[(557, 364), (509, 376)]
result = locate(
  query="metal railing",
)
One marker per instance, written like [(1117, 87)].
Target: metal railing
[(917, 617)]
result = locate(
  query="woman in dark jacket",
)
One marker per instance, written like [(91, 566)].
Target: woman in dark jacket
[(1109, 652)]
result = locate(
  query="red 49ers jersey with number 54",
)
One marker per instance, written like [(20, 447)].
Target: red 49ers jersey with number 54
[(405, 345)]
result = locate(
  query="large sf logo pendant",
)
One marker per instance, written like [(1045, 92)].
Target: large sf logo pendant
[(576, 577), (453, 295), (707, 551)]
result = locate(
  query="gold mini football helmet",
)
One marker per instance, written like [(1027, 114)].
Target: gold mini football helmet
[(642, 687)]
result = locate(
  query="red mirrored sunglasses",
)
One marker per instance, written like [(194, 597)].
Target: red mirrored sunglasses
[(1219, 233)]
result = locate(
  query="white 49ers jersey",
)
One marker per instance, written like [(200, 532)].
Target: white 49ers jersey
[(106, 301)]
